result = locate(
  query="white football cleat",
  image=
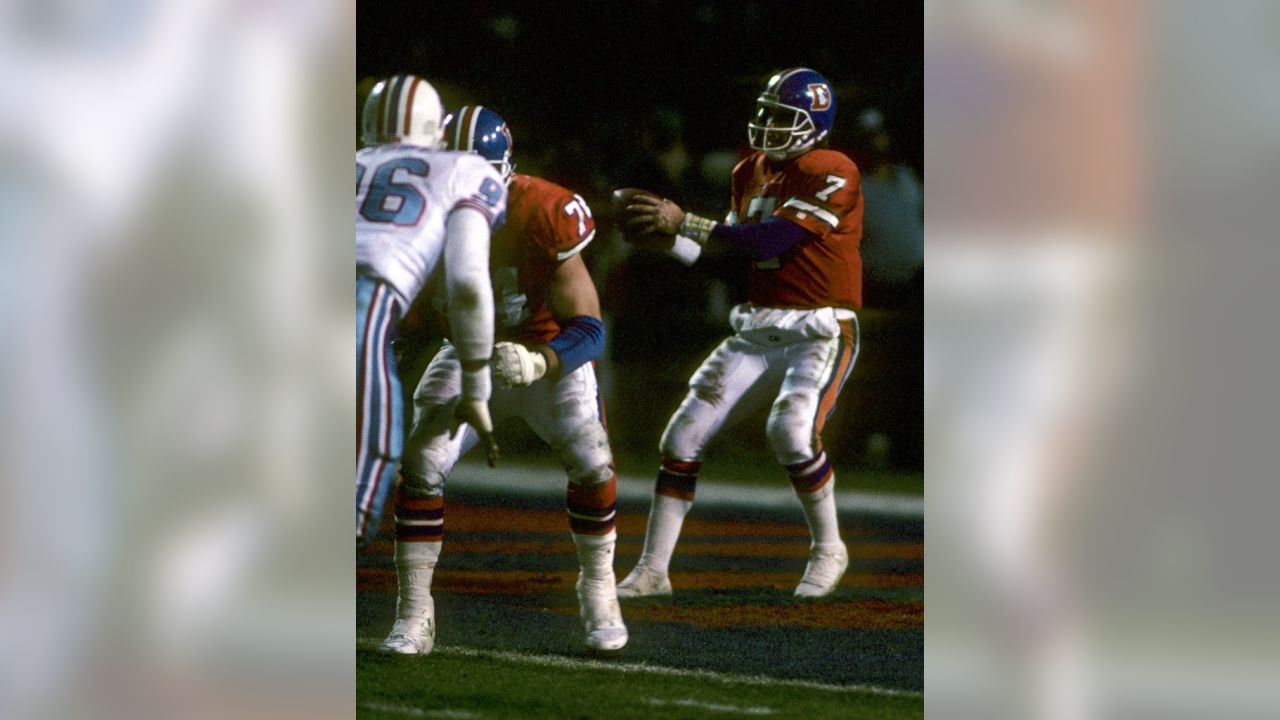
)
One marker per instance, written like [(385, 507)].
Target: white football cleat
[(601, 616), (827, 564), (643, 582), (413, 635)]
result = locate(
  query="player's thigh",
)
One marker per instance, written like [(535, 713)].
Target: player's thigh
[(568, 415), (736, 379), (815, 373), (432, 448), (437, 390)]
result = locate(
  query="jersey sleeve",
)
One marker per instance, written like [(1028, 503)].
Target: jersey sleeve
[(477, 185), (570, 227), (826, 189)]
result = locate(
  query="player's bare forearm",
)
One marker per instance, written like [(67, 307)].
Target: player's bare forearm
[(572, 295), (553, 361), (575, 305)]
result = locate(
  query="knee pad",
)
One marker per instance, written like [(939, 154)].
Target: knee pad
[(421, 484), (684, 437), (425, 466), (586, 454), (790, 427)]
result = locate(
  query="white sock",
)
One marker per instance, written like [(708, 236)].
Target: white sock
[(415, 564), (820, 512), (595, 555), (666, 517)]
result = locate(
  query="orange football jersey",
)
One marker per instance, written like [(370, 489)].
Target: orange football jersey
[(821, 192), (546, 225)]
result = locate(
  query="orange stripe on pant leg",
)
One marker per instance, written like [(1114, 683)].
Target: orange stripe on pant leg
[(828, 401)]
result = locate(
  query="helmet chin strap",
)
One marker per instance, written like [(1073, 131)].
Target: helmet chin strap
[(791, 152)]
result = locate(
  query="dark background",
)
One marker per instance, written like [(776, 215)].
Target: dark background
[(596, 93)]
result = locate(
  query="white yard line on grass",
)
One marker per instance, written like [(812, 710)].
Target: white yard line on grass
[(714, 707), (410, 711), (520, 480), (557, 661)]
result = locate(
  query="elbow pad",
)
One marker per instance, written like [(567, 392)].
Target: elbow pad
[(580, 341)]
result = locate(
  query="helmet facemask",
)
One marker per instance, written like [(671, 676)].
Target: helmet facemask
[(781, 131), (505, 167), (503, 164)]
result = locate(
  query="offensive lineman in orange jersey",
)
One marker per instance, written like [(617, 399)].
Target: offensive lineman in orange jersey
[(549, 331), (797, 210)]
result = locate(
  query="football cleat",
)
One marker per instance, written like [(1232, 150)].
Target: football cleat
[(403, 108), (601, 616), (413, 635), (644, 582), (827, 564)]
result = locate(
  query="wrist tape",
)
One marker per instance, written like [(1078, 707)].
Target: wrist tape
[(696, 228)]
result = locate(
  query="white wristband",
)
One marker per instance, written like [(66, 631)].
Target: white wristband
[(685, 250)]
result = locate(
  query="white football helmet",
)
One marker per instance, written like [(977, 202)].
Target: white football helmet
[(403, 108)]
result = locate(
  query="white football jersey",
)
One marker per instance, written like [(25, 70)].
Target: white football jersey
[(404, 194)]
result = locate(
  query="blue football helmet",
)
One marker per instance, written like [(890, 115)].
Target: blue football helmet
[(795, 111), (477, 129)]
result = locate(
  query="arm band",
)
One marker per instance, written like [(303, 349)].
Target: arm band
[(765, 240), (580, 341)]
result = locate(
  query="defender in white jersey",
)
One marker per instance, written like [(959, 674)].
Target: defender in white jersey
[(423, 218)]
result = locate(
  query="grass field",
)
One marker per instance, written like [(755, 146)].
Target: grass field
[(731, 643)]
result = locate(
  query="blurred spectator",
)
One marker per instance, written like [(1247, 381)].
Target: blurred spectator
[(659, 162), (892, 220)]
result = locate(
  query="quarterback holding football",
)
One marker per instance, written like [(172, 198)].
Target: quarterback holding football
[(796, 209)]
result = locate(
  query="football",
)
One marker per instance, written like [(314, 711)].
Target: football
[(620, 199), (623, 196)]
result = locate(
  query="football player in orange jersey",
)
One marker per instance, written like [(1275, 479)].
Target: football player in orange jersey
[(797, 210), (549, 332)]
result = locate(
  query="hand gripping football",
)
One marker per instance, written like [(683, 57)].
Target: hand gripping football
[(621, 198)]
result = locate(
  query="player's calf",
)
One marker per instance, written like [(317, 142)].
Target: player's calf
[(814, 485), (672, 497)]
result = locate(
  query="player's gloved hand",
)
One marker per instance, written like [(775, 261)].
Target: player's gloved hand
[(515, 365), (473, 409), (651, 215)]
